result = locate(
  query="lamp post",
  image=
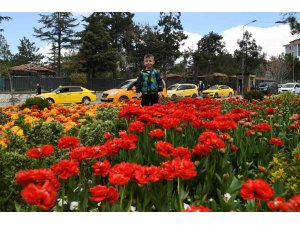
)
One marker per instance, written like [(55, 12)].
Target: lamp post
[(243, 55), (292, 54)]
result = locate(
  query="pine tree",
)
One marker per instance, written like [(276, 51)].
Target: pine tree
[(28, 53), (96, 52), (58, 31)]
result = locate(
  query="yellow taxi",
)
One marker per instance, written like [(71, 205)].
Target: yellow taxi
[(217, 91), (125, 91), (182, 90), (69, 94)]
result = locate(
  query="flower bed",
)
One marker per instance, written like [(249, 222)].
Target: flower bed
[(193, 155)]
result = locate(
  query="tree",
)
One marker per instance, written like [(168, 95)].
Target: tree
[(170, 36), (5, 54), (28, 53), (279, 68), (205, 57), (250, 52), (4, 18), (58, 31), (96, 52)]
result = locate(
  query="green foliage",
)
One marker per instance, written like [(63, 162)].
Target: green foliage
[(10, 163), (37, 101), (15, 143), (250, 95), (3, 117), (107, 120), (79, 77), (92, 134), (44, 133), (287, 97)]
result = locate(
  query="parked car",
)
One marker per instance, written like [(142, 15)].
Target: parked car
[(217, 91), (268, 87), (183, 90), (291, 87), (125, 91), (69, 94)]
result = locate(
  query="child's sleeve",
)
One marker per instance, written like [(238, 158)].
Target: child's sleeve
[(138, 83), (160, 84)]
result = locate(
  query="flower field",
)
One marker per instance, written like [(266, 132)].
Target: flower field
[(192, 155)]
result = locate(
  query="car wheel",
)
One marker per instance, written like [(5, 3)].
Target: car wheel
[(50, 100), (194, 96), (123, 98), (86, 100), (173, 96), (216, 95), (230, 95)]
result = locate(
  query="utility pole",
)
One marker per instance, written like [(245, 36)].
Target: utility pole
[(243, 56)]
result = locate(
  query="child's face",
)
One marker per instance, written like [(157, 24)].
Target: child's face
[(149, 62)]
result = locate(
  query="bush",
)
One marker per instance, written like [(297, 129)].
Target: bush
[(36, 101), (78, 77), (257, 95), (3, 118)]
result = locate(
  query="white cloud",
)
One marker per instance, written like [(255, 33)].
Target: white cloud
[(191, 41), (271, 39)]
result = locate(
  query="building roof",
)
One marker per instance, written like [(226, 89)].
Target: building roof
[(294, 42), (31, 69)]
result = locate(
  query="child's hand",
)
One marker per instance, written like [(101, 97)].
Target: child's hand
[(137, 95)]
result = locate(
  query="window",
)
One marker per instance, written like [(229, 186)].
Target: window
[(181, 87), (75, 89), (63, 90)]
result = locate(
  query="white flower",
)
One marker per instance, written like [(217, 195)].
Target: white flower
[(227, 196), (74, 205), (132, 209), (59, 202), (186, 206)]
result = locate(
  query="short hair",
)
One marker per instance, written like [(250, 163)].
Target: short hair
[(148, 56)]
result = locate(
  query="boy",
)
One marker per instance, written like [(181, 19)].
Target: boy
[(149, 82)]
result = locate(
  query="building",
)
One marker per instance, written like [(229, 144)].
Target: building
[(293, 48)]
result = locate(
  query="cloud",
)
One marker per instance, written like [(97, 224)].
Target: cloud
[(191, 41), (271, 39)]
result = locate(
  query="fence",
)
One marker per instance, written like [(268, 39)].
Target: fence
[(28, 83)]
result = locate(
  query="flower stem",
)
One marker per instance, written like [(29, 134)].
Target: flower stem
[(180, 203)]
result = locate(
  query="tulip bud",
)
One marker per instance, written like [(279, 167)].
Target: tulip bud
[(225, 176), (259, 134), (276, 125), (197, 163), (222, 150)]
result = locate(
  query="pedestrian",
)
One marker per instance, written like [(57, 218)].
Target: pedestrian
[(38, 89), (200, 87), (149, 82)]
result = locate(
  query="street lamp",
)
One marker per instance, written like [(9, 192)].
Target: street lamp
[(243, 56), (285, 22)]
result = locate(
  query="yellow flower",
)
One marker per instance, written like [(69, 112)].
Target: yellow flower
[(14, 116), (17, 130)]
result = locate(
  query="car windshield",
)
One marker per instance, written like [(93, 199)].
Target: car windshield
[(288, 85), (172, 87), (57, 89), (213, 88), (262, 84), (125, 84)]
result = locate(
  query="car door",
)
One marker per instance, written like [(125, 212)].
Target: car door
[(297, 89), (180, 91), (223, 91), (62, 95), (75, 95)]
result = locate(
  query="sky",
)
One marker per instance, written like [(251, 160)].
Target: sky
[(270, 35)]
